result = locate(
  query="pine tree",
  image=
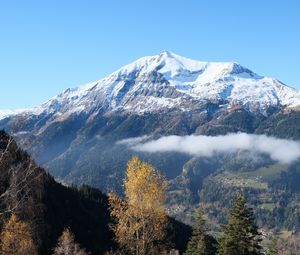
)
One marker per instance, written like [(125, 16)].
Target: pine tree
[(141, 221), (67, 245), (273, 249), (199, 243), (240, 236), (16, 238)]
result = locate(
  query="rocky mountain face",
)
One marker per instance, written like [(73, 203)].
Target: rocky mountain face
[(78, 136)]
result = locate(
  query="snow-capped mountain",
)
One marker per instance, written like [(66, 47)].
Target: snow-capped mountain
[(76, 134), (82, 135), (169, 81)]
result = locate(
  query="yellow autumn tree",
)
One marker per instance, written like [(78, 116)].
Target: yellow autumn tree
[(16, 238), (141, 220)]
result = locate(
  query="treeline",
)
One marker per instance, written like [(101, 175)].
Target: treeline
[(40, 216), (142, 227)]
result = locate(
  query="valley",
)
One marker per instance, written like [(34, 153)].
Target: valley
[(84, 135)]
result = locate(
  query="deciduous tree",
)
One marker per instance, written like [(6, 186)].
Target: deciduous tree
[(16, 238), (141, 220)]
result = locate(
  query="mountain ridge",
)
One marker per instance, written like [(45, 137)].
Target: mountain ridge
[(168, 81)]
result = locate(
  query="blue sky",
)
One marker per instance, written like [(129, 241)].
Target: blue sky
[(48, 46)]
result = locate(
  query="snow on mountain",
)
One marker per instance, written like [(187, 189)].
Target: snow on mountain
[(169, 81), (8, 112)]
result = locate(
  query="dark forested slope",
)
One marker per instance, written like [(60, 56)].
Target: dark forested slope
[(48, 206)]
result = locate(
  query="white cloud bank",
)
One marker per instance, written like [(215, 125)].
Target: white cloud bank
[(281, 150)]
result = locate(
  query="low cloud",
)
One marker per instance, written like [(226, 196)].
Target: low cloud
[(134, 140), (281, 150)]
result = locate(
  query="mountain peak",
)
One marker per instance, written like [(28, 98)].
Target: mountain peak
[(166, 53), (171, 64), (171, 81)]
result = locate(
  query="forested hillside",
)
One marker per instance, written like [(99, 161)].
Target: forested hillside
[(30, 196)]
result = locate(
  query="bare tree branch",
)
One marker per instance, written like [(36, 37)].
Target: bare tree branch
[(21, 177)]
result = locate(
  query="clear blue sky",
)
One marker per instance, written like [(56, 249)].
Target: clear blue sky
[(48, 46)]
